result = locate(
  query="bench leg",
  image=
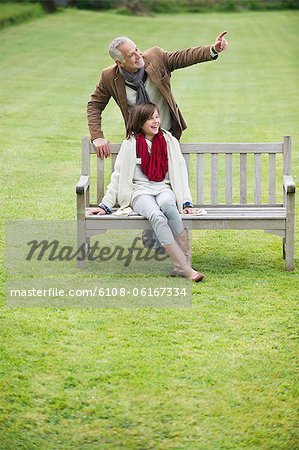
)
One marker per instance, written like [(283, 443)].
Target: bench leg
[(189, 236), (81, 244), (290, 231), (87, 246), (284, 248), (289, 252)]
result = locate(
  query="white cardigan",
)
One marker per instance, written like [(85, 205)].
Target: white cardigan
[(120, 189)]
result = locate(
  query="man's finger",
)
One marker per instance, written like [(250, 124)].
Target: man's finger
[(221, 35), (107, 151), (100, 152)]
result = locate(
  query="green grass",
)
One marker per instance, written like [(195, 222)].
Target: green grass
[(221, 375), (15, 13)]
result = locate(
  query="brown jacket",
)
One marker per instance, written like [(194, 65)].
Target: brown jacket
[(158, 65)]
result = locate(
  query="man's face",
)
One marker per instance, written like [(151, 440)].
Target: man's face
[(132, 57)]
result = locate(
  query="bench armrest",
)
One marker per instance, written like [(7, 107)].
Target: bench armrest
[(288, 184), (83, 184)]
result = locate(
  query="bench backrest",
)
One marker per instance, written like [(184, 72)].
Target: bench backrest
[(219, 173)]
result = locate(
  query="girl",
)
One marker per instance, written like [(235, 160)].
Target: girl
[(150, 176)]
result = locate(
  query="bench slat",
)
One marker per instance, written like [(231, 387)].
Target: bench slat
[(113, 159), (218, 147), (187, 161), (200, 179), (217, 213), (272, 179), (214, 179), (100, 179), (234, 147), (243, 178), (257, 179), (144, 224), (229, 179)]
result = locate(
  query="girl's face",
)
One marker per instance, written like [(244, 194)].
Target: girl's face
[(151, 127)]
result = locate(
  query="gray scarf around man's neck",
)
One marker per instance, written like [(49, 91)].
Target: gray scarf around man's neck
[(136, 79)]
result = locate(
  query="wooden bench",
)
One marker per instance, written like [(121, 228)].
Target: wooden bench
[(234, 182)]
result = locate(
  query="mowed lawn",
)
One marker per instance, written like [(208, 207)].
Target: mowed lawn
[(220, 375)]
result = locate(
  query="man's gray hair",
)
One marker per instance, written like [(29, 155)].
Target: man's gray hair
[(114, 51)]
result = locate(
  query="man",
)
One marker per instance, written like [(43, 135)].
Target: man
[(138, 77)]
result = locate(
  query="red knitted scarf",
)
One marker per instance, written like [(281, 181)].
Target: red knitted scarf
[(154, 165)]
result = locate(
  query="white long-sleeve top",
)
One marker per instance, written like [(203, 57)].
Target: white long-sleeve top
[(121, 187)]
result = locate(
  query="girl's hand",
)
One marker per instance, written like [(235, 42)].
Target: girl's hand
[(96, 212), (189, 210)]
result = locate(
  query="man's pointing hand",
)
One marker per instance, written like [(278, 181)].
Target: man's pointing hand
[(221, 43)]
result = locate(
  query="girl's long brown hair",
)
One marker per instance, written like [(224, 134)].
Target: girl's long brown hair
[(138, 116)]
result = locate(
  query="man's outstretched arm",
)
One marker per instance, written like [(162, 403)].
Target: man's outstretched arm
[(194, 55)]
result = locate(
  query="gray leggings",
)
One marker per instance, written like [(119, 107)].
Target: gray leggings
[(162, 213)]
